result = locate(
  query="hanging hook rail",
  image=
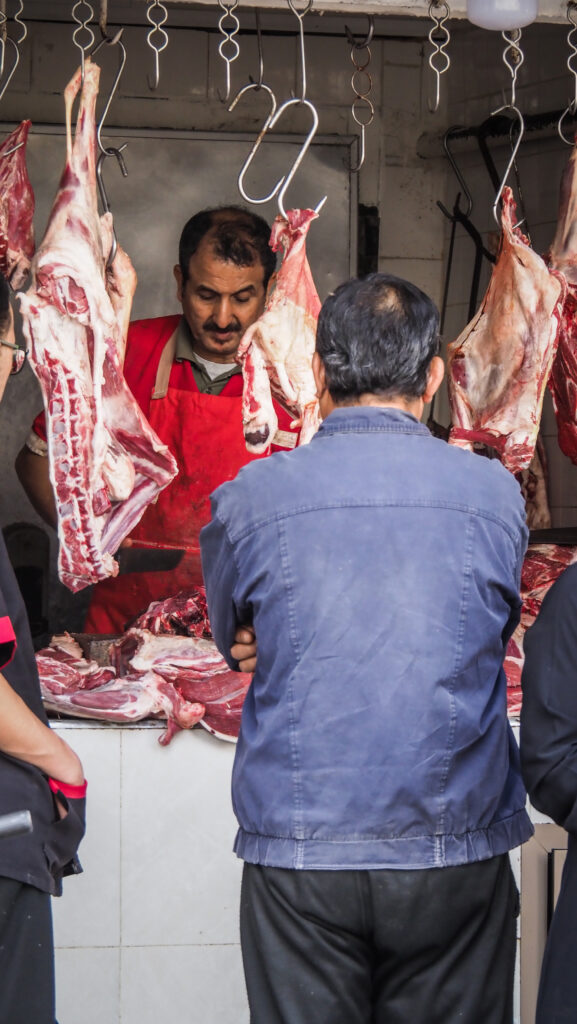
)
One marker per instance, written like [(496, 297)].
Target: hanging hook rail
[(298, 101), (439, 37), (513, 58), (83, 26), (228, 41), (572, 108), (359, 78), (156, 37), (247, 88)]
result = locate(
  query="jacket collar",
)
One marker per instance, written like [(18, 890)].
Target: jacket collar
[(370, 419)]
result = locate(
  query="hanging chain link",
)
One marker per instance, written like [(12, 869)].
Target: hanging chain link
[(439, 38), (228, 47), (157, 38), (513, 57), (82, 20), (571, 110), (362, 109)]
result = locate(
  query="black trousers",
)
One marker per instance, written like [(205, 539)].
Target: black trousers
[(26, 955), (380, 947), (557, 1002)]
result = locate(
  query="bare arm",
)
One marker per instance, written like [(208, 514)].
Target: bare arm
[(33, 473), (25, 737)]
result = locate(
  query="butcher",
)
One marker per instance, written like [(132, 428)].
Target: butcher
[(183, 373), (39, 772), (376, 779)]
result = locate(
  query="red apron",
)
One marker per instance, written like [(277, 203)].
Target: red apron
[(204, 433)]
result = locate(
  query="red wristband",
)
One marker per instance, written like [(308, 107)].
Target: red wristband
[(74, 792)]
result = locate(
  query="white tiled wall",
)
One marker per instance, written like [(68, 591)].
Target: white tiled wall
[(149, 931)]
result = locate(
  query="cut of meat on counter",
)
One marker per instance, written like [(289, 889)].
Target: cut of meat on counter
[(16, 208), (562, 256), (276, 352), (543, 564), (106, 463), (500, 364), (174, 673)]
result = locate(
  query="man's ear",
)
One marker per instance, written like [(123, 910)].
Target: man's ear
[(319, 375), (178, 278), (435, 376)]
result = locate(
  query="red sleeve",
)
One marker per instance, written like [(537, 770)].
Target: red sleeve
[(39, 426), (7, 641)]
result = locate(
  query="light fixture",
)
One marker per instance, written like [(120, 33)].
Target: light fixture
[(503, 15)]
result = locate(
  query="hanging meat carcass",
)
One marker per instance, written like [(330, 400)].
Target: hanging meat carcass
[(562, 257), (16, 208), (106, 463), (276, 352), (500, 364)]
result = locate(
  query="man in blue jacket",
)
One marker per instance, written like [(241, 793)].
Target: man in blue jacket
[(376, 781)]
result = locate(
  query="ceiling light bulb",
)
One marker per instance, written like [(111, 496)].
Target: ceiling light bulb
[(503, 15)]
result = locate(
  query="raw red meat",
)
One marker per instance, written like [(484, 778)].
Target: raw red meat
[(16, 208), (106, 463), (185, 614), (543, 564), (562, 256), (276, 352), (195, 667), (500, 364)]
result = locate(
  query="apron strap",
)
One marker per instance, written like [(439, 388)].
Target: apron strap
[(164, 367)]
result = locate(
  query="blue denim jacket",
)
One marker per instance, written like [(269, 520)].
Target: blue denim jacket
[(380, 568)]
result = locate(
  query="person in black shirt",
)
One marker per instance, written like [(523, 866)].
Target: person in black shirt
[(39, 772)]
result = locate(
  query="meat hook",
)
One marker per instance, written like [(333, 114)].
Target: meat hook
[(10, 74), (298, 101), (158, 47), (300, 155), (259, 138), (246, 88), (572, 108), (114, 40), (111, 151), (450, 157), (513, 58), (518, 115)]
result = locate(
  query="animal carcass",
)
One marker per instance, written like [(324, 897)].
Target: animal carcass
[(106, 463), (562, 256), (500, 364), (276, 352), (16, 208)]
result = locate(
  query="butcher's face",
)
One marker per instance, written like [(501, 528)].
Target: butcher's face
[(219, 301)]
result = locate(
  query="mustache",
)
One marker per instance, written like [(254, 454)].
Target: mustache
[(211, 326)]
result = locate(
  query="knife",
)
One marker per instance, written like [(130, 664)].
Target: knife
[(147, 559)]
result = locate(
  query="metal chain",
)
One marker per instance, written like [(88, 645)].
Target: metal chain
[(439, 37), (157, 38), (228, 47), (572, 108), (513, 57), (362, 108), (22, 26), (83, 26)]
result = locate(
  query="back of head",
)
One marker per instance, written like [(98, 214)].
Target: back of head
[(235, 234), (377, 335)]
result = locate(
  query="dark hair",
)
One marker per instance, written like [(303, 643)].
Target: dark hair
[(4, 303), (239, 237), (377, 335)]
